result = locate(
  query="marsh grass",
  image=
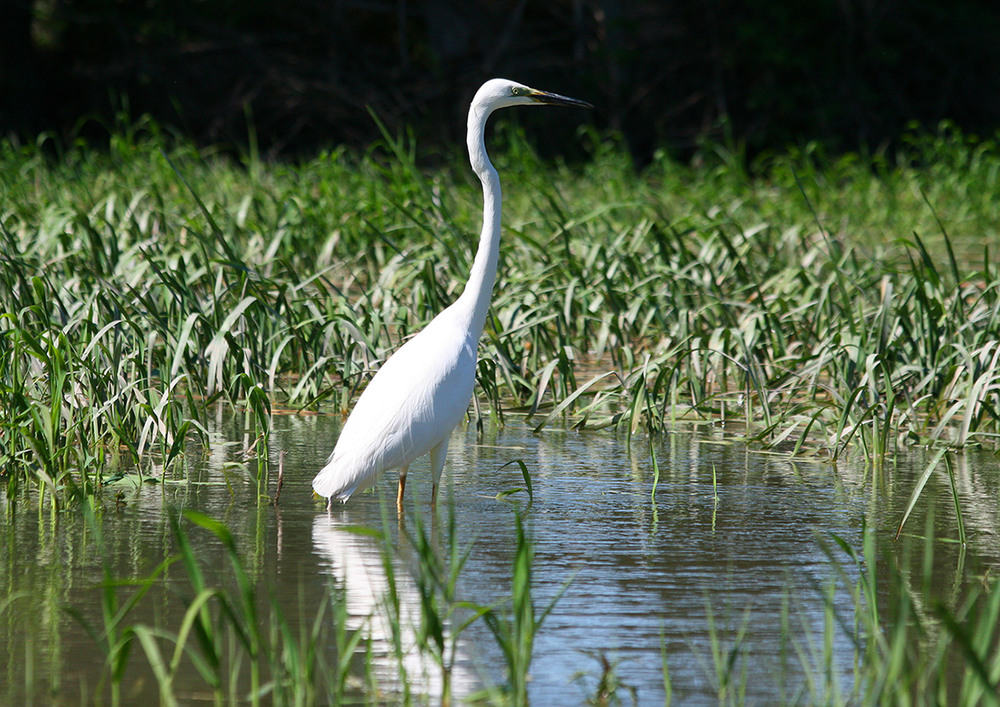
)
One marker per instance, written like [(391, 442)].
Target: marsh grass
[(818, 305), (235, 639), (826, 304), (912, 647), (908, 645)]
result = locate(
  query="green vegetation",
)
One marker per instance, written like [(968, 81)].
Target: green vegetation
[(822, 302), (235, 644)]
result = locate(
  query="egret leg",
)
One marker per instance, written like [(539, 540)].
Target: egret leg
[(438, 455), (399, 489)]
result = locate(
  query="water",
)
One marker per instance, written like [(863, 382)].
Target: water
[(743, 561)]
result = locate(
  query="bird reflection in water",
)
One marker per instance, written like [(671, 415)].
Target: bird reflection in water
[(386, 608)]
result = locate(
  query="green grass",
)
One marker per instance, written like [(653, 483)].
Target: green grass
[(909, 647), (824, 303), (817, 304)]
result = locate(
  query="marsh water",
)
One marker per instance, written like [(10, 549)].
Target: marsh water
[(731, 572)]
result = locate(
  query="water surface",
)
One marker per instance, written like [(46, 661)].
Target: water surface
[(736, 550)]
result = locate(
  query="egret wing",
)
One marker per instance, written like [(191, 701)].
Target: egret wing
[(414, 402)]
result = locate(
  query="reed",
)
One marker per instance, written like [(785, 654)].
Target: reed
[(910, 651), (236, 639), (909, 647), (871, 630), (829, 304), (514, 628)]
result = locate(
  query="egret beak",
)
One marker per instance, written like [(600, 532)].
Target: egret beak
[(555, 99)]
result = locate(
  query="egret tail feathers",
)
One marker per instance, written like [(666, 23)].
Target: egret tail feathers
[(341, 478), (330, 484)]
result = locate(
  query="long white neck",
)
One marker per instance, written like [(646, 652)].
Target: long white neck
[(474, 301)]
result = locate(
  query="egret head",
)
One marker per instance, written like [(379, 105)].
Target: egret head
[(501, 93)]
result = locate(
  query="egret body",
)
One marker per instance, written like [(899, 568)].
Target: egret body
[(421, 392)]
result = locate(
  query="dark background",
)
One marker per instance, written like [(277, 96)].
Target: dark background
[(766, 73)]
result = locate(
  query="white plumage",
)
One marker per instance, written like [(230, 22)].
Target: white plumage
[(420, 394)]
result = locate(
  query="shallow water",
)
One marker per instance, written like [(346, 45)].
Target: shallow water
[(743, 560)]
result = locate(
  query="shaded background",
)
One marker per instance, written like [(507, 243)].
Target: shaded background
[(848, 73)]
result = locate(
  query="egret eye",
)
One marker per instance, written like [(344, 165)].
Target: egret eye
[(516, 91)]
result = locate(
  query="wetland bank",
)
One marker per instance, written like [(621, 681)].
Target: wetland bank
[(727, 388)]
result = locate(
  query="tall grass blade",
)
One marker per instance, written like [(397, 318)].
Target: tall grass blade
[(918, 488)]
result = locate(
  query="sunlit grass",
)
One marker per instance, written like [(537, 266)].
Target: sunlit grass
[(824, 303), (907, 646), (818, 305)]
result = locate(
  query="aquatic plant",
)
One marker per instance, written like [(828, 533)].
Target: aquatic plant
[(514, 628), (909, 650), (909, 647), (824, 303)]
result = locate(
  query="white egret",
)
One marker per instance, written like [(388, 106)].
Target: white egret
[(421, 392)]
